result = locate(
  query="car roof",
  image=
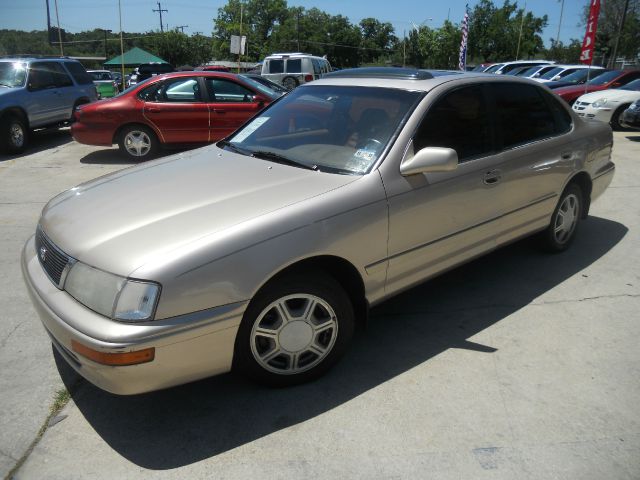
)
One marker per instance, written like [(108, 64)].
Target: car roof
[(401, 78)]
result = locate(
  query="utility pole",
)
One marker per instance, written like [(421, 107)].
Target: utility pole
[(521, 24), (182, 27), (105, 31), (160, 10), (121, 46), (298, 29), (59, 32), (612, 60), (560, 23)]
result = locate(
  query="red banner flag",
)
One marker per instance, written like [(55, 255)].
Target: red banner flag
[(589, 42)]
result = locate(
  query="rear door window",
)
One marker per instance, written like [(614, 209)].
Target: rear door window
[(522, 114), (78, 73), (227, 91), (60, 76), (294, 66)]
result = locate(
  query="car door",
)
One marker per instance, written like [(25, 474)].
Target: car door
[(177, 109), (536, 155), (66, 91), (231, 104), (439, 219), (43, 102)]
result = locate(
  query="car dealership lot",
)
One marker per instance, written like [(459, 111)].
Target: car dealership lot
[(517, 365)]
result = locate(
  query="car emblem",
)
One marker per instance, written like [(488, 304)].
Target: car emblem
[(43, 254)]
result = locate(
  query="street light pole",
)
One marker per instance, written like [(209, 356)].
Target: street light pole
[(121, 46), (59, 32)]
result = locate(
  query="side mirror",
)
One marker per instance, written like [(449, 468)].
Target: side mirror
[(616, 84), (430, 159), (259, 99)]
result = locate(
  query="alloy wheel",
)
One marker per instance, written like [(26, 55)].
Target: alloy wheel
[(293, 334), (137, 143), (566, 219), (16, 135)]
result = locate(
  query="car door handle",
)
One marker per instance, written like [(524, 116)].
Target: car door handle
[(154, 110), (219, 110), (566, 155), (492, 177)]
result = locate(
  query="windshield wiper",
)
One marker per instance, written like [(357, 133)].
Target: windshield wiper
[(276, 157), (235, 148)]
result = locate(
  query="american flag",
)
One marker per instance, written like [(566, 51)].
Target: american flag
[(462, 60)]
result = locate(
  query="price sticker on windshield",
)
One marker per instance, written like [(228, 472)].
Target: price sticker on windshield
[(249, 129)]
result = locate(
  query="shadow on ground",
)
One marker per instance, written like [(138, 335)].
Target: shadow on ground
[(43, 140), (635, 138), (183, 425)]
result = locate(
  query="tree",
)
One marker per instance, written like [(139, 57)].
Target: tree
[(494, 32), (562, 53), (377, 39)]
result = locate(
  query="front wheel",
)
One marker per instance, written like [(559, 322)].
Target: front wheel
[(294, 330), (13, 134), (138, 143), (565, 219), (616, 118)]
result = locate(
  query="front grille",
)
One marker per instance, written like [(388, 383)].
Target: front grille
[(52, 259)]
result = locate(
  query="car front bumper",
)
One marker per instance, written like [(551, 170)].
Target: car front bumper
[(599, 114), (187, 348)]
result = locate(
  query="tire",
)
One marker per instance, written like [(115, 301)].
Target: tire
[(294, 330), (289, 83), (561, 232), (138, 143), (616, 117), (14, 134)]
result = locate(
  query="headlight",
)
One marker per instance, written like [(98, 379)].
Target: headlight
[(601, 102), (111, 295)]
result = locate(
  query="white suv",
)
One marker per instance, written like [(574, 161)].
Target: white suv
[(293, 69)]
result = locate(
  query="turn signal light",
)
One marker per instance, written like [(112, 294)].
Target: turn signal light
[(308, 78), (117, 359)]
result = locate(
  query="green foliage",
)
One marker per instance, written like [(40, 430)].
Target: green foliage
[(494, 32), (562, 53), (174, 47)]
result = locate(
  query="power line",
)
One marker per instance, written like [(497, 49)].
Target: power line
[(182, 27)]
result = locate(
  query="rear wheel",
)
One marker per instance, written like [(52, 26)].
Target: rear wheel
[(13, 134), (565, 219), (138, 142), (289, 83), (294, 330)]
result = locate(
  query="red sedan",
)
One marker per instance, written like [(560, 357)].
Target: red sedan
[(179, 108), (612, 79)]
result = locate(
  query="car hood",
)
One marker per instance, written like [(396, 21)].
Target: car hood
[(122, 221), (616, 95)]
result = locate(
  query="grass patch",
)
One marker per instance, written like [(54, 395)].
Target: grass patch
[(60, 399)]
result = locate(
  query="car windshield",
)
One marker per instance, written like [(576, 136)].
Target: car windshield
[(134, 86), (581, 75), (12, 74), (635, 86), (551, 73), (100, 75), (530, 71), (337, 129), (493, 68), (271, 93), (264, 81), (605, 78)]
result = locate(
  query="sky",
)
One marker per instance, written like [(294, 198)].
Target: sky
[(197, 15)]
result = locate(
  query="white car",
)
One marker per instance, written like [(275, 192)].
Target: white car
[(608, 105), (562, 71)]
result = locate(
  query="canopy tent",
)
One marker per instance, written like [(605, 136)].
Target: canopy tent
[(133, 58)]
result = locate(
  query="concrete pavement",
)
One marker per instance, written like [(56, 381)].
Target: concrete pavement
[(518, 365)]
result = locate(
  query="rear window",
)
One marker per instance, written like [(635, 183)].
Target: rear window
[(276, 66), (605, 78), (294, 66), (78, 73)]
